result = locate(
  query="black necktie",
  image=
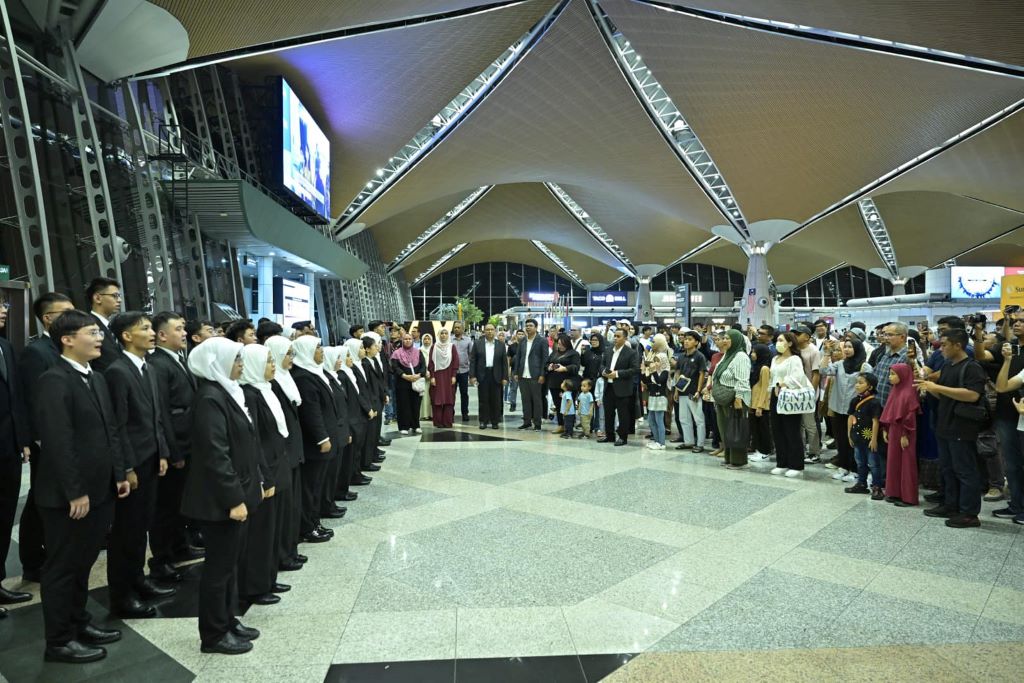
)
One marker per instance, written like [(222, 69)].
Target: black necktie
[(3, 365)]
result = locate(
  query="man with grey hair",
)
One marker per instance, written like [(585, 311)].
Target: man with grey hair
[(895, 352)]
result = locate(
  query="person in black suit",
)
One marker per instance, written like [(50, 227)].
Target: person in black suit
[(104, 296), (488, 370), (320, 432), (290, 514), (360, 413), (39, 355), (531, 357), (175, 390), (14, 441), (368, 453), (222, 489), (332, 365), (257, 572), (80, 469), (622, 365), (199, 331), (377, 381), (241, 331), (139, 419)]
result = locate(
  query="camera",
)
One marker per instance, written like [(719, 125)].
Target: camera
[(975, 319)]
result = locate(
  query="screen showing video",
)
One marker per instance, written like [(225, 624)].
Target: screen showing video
[(306, 154)]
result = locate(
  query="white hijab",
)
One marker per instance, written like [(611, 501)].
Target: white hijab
[(305, 348), (331, 356), (279, 347), (346, 351), (377, 360), (442, 352), (353, 345), (254, 365), (213, 360)]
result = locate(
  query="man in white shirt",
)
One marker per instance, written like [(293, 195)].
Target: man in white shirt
[(488, 371), (529, 373), (620, 371)]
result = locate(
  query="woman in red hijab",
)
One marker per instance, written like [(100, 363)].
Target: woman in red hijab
[(899, 419)]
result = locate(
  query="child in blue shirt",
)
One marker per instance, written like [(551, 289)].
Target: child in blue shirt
[(585, 405), (568, 409)]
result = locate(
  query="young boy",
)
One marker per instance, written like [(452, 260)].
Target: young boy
[(863, 430), (568, 409), (599, 406), (585, 405)]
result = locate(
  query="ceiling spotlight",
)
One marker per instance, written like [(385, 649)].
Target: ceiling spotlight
[(380, 172)]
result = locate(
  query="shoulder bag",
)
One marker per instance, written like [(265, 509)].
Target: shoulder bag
[(974, 412)]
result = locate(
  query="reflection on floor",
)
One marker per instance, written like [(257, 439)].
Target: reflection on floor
[(512, 555)]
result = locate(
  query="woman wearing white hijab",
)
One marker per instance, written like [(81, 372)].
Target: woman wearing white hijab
[(377, 385), (359, 413), (426, 342), (288, 396), (257, 573), (320, 432), (367, 453), (337, 468), (222, 488), (443, 367)]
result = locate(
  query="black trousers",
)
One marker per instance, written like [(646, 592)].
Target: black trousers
[(167, 533), (373, 430), (31, 546), (257, 563), (621, 406), (313, 473), (787, 430), (533, 401), (840, 432), (288, 536), (284, 508), (351, 459), (555, 392), (961, 482), (133, 516), (218, 584), (72, 549), (761, 432), (488, 392), (10, 490), (330, 480), (408, 404), (462, 379)]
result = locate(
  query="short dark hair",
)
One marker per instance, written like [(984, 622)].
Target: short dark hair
[(646, 328), (821, 321), (97, 284), (368, 342), (530, 320), (695, 336), (236, 330), (44, 301), (859, 325), (767, 328), (164, 317), (123, 322), (195, 327), (353, 329), (871, 378), (956, 336), (374, 324), (68, 324), (267, 329), (262, 320), (951, 321)]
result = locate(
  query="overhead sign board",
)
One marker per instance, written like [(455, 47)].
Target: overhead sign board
[(609, 299)]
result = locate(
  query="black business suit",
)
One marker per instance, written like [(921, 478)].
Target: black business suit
[(359, 419), (618, 393), (110, 349), (335, 465), (258, 562), (14, 437), (531, 389), (224, 473), (139, 420), (38, 356), (319, 420), (489, 379), (370, 389), (176, 387), (290, 515), (377, 385), (80, 456)]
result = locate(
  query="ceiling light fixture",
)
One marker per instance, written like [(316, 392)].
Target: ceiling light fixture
[(562, 265), (591, 226), (447, 256)]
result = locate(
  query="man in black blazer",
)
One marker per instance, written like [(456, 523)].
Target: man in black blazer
[(622, 365), (104, 296), (138, 418), (39, 355), (175, 389), (80, 469), (531, 357), (488, 370), (14, 440)]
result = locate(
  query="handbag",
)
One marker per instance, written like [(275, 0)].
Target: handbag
[(722, 395), (737, 429), (796, 401), (657, 403), (974, 412)]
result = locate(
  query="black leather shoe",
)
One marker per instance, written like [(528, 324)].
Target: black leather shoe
[(289, 566), (362, 481), (265, 599), (74, 652), (147, 589), (189, 553), (280, 588), (336, 513), (3, 613), (937, 497), (229, 644), (244, 632), (494, 426), (91, 635), (350, 496), (381, 452), (620, 442), (132, 609), (604, 440), (384, 442), (13, 597), (161, 571), (325, 531), (372, 468), (314, 537), (525, 426), (31, 575), (483, 426), (940, 511), (300, 558), (379, 459)]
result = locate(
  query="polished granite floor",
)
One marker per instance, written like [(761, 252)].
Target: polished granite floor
[(509, 555)]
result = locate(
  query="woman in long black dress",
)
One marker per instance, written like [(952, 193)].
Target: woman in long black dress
[(563, 364), (408, 367)]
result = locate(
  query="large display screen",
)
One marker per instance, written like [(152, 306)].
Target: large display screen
[(294, 302), (305, 154), (975, 282)]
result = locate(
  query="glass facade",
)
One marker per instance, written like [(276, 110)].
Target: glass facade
[(842, 284)]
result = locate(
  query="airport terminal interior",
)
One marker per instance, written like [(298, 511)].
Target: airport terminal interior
[(385, 195)]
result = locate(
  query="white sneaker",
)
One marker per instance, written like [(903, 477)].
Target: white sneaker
[(757, 456), (839, 473), (661, 446), (850, 477), (794, 473), (778, 470), (652, 445), (403, 431)]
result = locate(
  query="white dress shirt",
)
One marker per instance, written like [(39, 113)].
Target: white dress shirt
[(527, 344), (83, 370), (489, 353), (615, 359)]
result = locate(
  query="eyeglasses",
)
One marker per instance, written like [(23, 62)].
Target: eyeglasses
[(115, 295), (96, 334)]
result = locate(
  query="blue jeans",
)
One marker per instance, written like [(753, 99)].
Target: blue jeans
[(869, 460), (656, 421), (598, 420), (961, 483), (389, 409), (1010, 448)]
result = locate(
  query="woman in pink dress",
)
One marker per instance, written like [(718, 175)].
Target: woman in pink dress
[(442, 368), (899, 420)]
